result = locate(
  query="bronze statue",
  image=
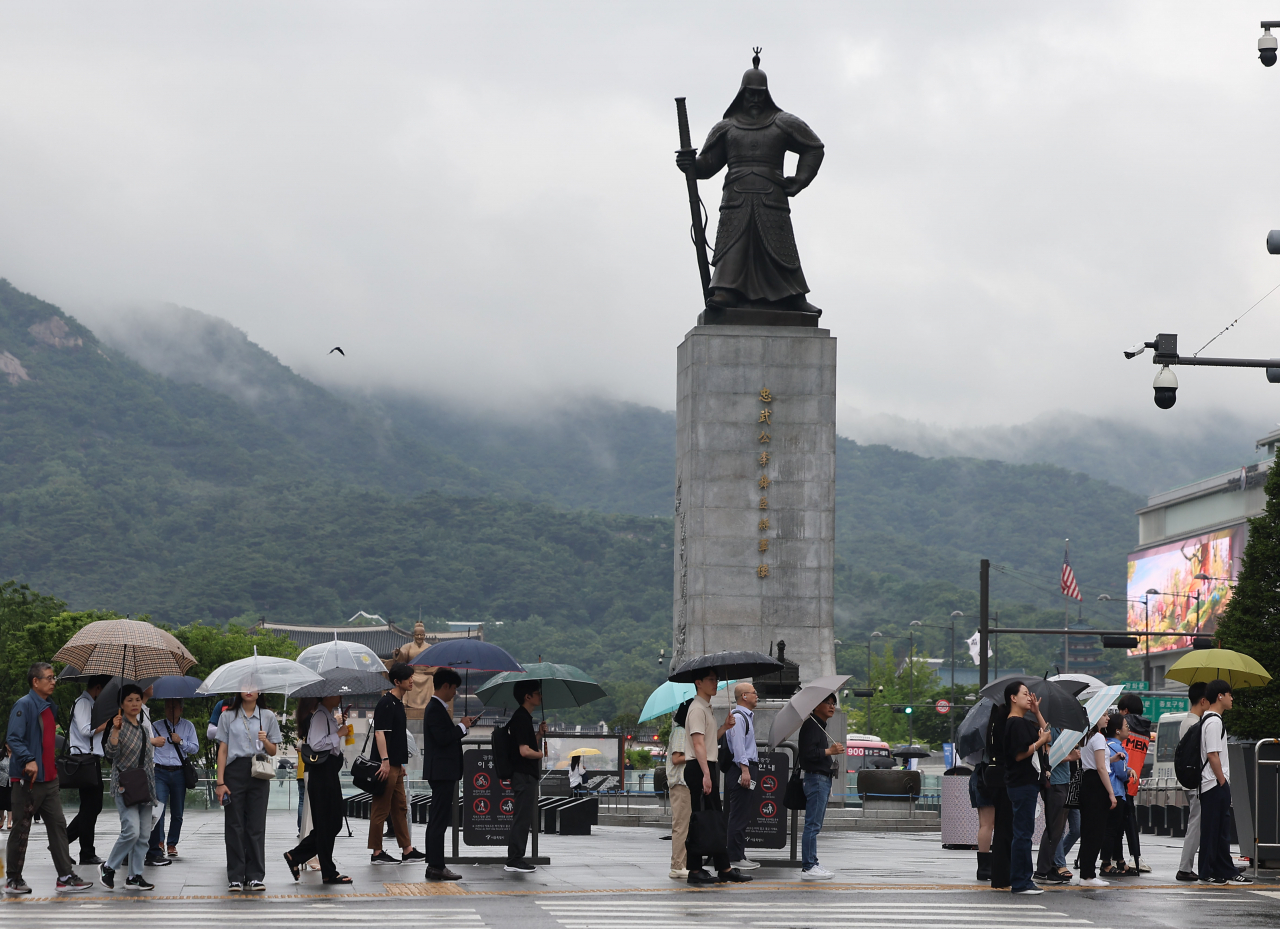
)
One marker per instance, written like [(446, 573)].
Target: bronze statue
[(415, 701), (756, 262)]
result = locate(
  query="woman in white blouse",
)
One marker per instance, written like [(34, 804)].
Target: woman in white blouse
[(1097, 800)]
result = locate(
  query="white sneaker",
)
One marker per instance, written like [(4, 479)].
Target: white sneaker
[(1094, 882), (1143, 866), (816, 873), (746, 864), (678, 874)]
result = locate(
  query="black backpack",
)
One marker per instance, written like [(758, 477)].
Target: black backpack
[(724, 760), (1187, 766), (502, 751)]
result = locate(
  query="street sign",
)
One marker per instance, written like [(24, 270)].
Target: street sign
[(1136, 685), (943, 706), (1157, 706), (767, 825), (488, 804)]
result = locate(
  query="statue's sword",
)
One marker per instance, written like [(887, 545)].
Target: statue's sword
[(695, 202)]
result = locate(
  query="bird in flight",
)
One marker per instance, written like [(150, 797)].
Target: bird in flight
[(338, 349)]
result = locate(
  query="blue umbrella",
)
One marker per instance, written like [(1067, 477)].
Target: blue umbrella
[(177, 687), (467, 655), (668, 697)]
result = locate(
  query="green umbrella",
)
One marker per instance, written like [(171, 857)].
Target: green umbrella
[(563, 686)]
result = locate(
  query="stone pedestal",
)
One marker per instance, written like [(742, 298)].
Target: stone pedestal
[(755, 493)]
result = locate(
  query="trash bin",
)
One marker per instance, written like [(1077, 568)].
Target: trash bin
[(959, 819)]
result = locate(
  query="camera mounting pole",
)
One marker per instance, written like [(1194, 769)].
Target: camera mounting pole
[(1165, 353)]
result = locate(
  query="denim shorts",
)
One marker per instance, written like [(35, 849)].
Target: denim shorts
[(977, 796)]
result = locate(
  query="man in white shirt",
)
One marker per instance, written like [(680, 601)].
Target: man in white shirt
[(1191, 843), (1216, 866), (741, 775), (86, 740)]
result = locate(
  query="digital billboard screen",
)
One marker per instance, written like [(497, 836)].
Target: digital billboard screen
[(1183, 605)]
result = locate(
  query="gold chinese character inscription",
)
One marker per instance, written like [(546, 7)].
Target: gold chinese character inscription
[(764, 545), (764, 503), (763, 459), (762, 571), (764, 524), (765, 437), (766, 417), (765, 396), (764, 481)]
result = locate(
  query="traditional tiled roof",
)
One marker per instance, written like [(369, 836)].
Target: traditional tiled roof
[(382, 639)]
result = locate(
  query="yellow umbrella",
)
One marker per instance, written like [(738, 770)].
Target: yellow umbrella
[(585, 751), (1208, 664)]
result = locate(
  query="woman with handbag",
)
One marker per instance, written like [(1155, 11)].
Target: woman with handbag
[(814, 759), (1097, 800), (131, 750), (322, 754), (248, 735)]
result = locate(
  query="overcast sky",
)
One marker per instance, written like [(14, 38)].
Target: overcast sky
[(478, 200)]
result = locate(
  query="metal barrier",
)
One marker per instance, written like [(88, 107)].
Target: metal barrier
[(1268, 794)]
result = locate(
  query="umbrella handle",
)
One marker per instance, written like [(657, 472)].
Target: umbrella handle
[(824, 730)]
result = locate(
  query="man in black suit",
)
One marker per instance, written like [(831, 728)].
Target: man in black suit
[(442, 768)]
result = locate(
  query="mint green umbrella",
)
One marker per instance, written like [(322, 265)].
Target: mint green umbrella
[(563, 686)]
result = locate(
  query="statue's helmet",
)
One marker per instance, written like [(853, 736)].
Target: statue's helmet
[(752, 79)]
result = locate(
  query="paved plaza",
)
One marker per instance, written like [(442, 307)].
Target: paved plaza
[(617, 878)]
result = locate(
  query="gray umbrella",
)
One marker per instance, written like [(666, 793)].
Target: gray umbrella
[(971, 737), (342, 682)]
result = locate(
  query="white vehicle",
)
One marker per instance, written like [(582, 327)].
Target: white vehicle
[(1165, 743)]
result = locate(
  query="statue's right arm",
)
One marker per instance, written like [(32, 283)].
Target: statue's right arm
[(714, 155)]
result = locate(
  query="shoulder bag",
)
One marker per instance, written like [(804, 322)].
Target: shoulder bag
[(1073, 789), (794, 798), (708, 834), (313, 758), (260, 765), (135, 785), (190, 777), (364, 773), (77, 771)]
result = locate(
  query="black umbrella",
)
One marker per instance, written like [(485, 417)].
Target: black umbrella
[(343, 682), (108, 702), (971, 736), (728, 665), (911, 751), (467, 655), (1058, 703)]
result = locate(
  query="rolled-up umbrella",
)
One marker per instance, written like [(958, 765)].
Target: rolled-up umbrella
[(971, 736), (802, 703), (353, 656), (344, 682), (563, 686), (1210, 664), (176, 687), (1058, 703), (125, 648), (668, 696), (262, 673), (727, 665), (467, 655)]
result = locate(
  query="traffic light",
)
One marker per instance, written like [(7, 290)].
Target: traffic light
[(1119, 641), (908, 709), (902, 709), (864, 693)]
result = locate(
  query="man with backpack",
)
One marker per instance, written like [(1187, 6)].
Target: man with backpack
[(441, 766), (1216, 866), (740, 761), (704, 792), (1191, 843), (526, 755)]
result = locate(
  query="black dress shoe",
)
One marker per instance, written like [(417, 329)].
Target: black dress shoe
[(701, 877), (90, 859), (442, 874), (733, 876), (336, 879)]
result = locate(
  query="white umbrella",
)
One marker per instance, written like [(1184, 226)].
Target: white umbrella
[(792, 716), (1069, 738), (339, 654), (1094, 685), (260, 673)]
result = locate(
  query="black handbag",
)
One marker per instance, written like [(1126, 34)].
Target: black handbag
[(135, 786), (77, 771), (708, 832), (364, 773), (190, 776), (794, 798)]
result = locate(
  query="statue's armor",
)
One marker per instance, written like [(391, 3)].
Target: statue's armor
[(754, 209)]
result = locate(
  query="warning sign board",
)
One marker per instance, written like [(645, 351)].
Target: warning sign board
[(487, 803)]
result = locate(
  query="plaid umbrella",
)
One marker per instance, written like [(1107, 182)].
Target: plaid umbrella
[(125, 648)]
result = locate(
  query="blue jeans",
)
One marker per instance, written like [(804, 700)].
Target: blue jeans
[(171, 790), (131, 847), (1069, 839), (1023, 799), (817, 791)]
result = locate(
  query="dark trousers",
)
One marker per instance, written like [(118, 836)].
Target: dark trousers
[(43, 799), (525, 787), (171, 790), (244, 823), (741, 801), (1215, 833), (1001, 836), (1055, 822), (1113, 844), (326, 818), (698, 801), (85, 823), (1095, 810), (1022, 800), (1131, 827), (439, 819)]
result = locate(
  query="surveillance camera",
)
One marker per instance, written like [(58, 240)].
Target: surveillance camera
[(1135, 350), (1166, 387), (1267, 48)]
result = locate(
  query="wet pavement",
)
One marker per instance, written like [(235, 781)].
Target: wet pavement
[(617, 878)]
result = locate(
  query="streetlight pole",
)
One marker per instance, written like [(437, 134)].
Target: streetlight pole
[(952, 627), (870, 686)]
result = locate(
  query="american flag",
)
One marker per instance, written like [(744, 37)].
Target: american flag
[(1069, 586)]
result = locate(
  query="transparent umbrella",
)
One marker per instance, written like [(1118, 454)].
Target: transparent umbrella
[(339, 654), (261, 673)]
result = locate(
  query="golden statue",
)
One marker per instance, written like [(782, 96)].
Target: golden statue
[(415, 701)]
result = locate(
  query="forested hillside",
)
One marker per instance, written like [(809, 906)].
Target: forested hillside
[(234, 489)]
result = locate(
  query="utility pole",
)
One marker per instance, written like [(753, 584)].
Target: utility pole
[(984, 627)]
